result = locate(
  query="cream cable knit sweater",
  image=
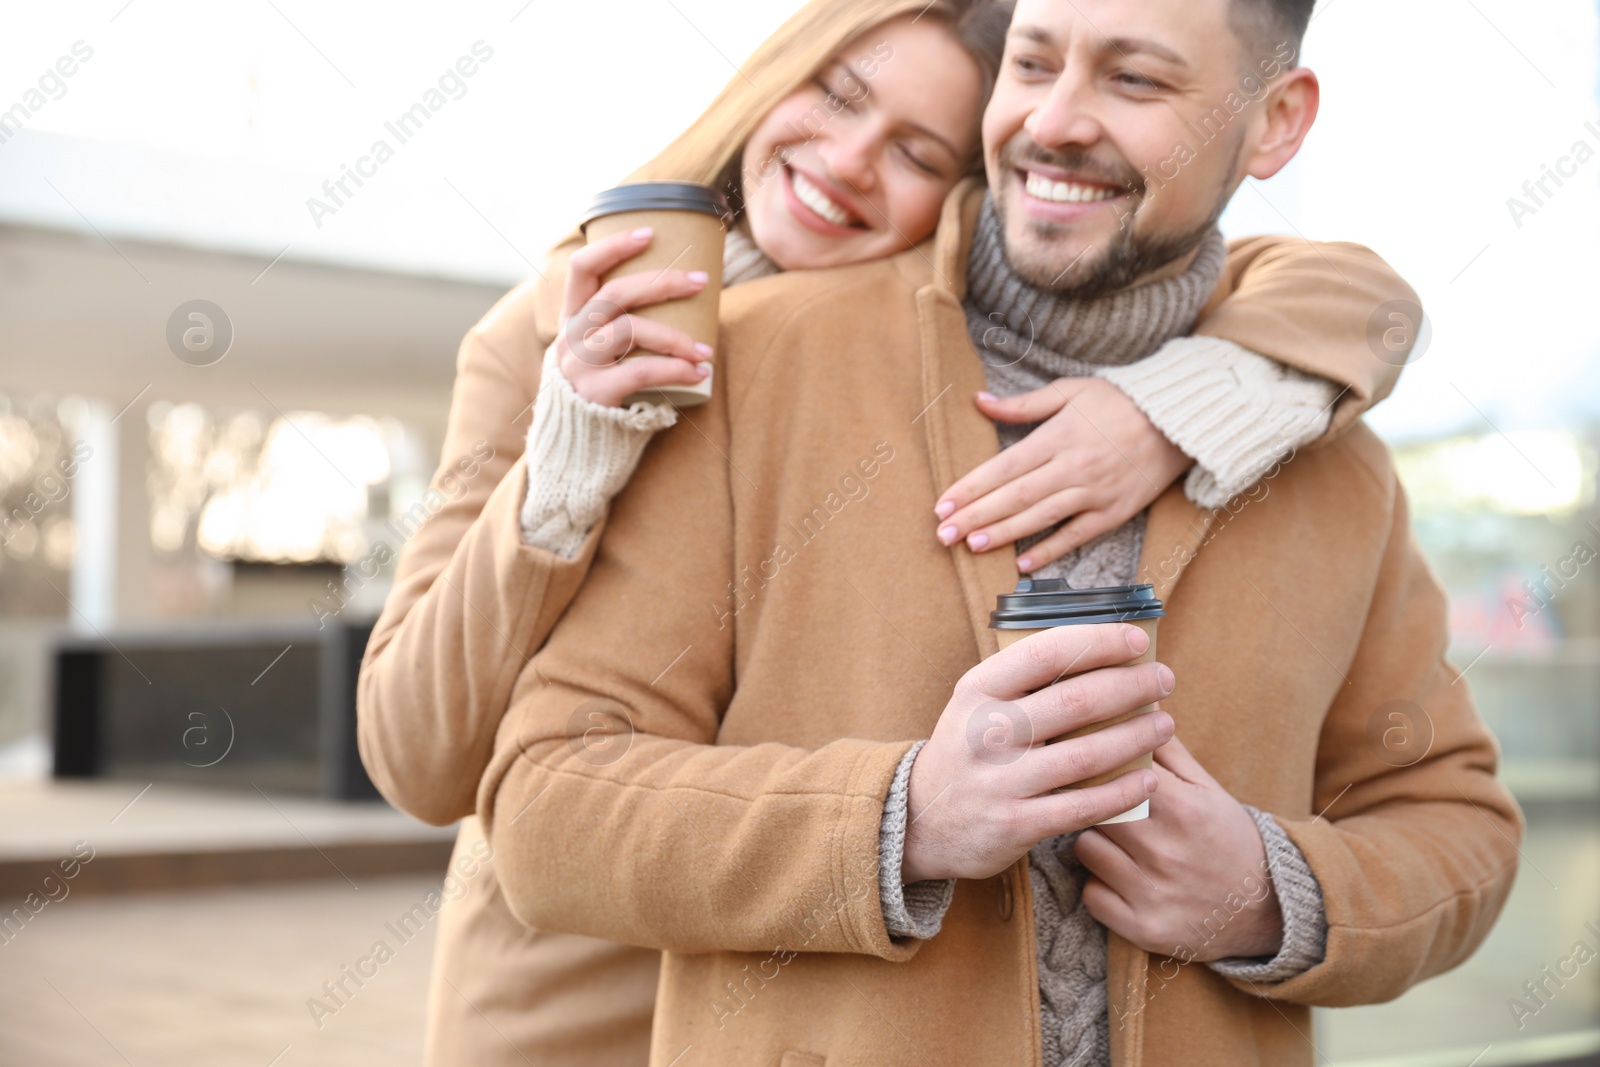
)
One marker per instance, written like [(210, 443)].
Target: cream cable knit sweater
[(581, 454), (1235, 412)]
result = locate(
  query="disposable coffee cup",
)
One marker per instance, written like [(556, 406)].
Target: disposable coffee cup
[(1044, 603), (689, 221)]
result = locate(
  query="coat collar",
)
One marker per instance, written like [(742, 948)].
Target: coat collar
[(960, 437)]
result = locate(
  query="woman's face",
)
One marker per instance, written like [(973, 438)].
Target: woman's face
[(856, 164)]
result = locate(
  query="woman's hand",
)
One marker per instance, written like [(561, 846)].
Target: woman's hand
[(597, 331), (1096, 460)]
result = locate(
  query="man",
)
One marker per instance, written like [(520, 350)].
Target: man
[(768, 626)]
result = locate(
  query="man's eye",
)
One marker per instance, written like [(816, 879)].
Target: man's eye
[(1136, 80)]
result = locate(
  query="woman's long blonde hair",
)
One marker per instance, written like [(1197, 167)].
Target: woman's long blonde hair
[(797, 52), (708, 151)]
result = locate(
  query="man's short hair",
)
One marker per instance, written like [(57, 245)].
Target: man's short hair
[(1265, 25)]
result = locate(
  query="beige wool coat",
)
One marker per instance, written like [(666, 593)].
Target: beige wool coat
[(770, 614), (471, 603)]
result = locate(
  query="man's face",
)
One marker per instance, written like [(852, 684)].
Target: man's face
[(1116, 135)]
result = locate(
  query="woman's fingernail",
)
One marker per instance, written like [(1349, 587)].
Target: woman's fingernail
[(699, 277), (703, 348), (702, 369), (948, 534), (986, 396), (1024, 564), (945, 508), (1148, 780), (1165, 676), (1164, 724), (978, 542), (1138, 640), (641, 233)]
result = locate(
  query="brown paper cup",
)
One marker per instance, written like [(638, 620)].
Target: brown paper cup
[(1055, 609), (686, 238)]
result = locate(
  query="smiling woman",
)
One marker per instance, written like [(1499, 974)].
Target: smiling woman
[(870, 181)]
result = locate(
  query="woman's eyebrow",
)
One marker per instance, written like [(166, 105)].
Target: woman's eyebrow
[(908, 123)]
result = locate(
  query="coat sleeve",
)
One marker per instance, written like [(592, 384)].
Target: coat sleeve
[(611, 810), (1416, 842), (1319, 307), (470, 602)]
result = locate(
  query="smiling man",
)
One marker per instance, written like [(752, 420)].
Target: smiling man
[(828, 891)]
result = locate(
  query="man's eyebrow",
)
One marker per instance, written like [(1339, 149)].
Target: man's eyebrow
[(1145, 46), (1125, 45)]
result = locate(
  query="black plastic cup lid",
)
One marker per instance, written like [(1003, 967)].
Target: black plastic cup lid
[(1039, 603), (656, 196)]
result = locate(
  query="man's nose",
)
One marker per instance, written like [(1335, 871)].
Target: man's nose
[(1066, 116)]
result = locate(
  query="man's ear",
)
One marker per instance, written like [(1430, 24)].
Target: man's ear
[(1282, 123)]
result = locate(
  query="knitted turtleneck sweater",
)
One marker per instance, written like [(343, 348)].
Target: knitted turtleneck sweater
[(1028, 337)]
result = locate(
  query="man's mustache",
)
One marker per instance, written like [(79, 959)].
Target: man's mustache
[(1022, 150)]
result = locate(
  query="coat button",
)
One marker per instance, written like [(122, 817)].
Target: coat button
[(1007, 901)]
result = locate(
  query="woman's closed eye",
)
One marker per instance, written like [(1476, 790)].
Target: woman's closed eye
[(913, 157), (835, 98)]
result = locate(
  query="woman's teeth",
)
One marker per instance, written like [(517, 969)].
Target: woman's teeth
[(1065, 192), (817, 200)]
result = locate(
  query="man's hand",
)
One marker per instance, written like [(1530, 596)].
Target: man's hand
[(980, 790), (1191, 880), (1097, 460)]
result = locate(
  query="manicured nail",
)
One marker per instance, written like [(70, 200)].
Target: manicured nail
[(986, 396), (1138, 640), (703, 348), (948, 534), (1024, 564), (945, 508), (702, 369), (978, 542), (699, 277), (1148, 780), (641, 233), (1165, 677)]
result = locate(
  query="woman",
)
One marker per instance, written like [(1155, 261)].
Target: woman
[(872, 178)]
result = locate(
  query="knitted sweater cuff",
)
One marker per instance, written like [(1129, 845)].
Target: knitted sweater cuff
[(1305, 919), (915, 910), (580, 454), (1235, 412)]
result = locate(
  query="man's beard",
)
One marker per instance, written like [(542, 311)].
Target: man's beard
[(1127, 257)]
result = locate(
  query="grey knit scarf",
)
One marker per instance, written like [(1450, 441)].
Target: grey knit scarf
[(1027, 337)]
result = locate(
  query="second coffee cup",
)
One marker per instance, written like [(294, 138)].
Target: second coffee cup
[(688, 220), (1044, 603)]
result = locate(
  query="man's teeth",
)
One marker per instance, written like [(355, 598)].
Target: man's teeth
[(1065, 192), (817, 200)]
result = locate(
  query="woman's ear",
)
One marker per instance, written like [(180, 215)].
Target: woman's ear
[(1282, 124)]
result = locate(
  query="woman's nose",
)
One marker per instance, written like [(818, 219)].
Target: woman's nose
[(852, 158)]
